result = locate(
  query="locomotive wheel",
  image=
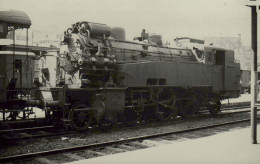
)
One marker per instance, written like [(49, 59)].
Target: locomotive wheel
[(55, 118), (165, 112), (24, 116), (129, 116), (215, 109), (12, 116), (99, 112), (160, 111), (139, 110), (80, 120), (188, 108)]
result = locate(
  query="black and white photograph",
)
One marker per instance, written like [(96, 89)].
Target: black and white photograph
[(130, 81)]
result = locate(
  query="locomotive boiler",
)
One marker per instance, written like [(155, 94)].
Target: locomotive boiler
[(103, 78)]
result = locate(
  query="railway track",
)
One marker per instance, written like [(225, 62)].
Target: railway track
[(117, 146), (7, 136)]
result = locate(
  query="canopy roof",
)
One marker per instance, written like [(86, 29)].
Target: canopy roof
[(15, 18)]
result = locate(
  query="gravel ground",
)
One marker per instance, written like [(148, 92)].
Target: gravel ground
[(44, 144)]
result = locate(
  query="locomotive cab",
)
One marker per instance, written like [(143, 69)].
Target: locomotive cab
[(230, 77)]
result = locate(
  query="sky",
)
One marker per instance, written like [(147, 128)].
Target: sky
[(170, 18)]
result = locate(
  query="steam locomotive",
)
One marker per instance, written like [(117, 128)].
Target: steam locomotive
[(103, 78)]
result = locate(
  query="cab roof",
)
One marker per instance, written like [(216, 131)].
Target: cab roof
[(15, 18)]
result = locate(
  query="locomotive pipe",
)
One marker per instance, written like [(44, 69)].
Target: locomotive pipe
[(53, 103), (33, 103), (41, 103)]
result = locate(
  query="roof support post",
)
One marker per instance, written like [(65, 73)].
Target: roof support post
[(254, 4), (13, 52)]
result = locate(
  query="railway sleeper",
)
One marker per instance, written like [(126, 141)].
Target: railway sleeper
[(138, 144), (109, 148), (95, 152), (25, 135), (43, 160), (73, 156), (189, 136), (129, 148)]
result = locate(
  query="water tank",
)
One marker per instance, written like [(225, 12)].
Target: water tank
[(118, 33), (156, 39)]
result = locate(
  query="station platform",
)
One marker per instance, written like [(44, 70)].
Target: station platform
[(232, 147), (242, 98)]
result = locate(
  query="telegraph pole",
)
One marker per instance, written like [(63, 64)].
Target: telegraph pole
[(255, 13)]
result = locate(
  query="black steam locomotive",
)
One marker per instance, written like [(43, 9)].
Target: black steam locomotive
[(103, 78)]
